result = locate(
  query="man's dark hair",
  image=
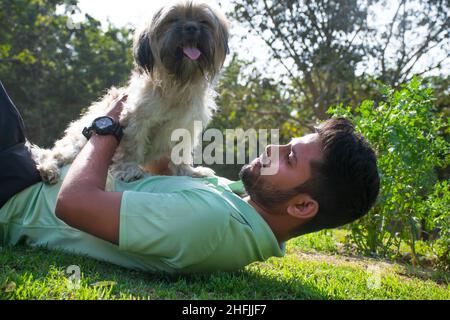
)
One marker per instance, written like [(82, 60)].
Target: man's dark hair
[(345, 182)]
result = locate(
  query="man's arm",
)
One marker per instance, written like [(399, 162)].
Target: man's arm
[(82, 201)]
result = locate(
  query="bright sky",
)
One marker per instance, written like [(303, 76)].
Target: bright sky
[(122, 13), (137, 12)]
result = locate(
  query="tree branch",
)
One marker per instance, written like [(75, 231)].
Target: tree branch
[(10, 60), (438, 65), (391, 27), (422, 49), (400, 62), (279, 58)]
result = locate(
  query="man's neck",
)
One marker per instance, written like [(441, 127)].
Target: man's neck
[(274, 220)]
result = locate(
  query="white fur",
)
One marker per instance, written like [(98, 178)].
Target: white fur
[(150, 115), (158, 102)]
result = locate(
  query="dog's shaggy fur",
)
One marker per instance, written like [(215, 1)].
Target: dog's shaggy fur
[(171, 88)]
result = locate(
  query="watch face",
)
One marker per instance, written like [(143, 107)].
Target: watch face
[(103, 123)]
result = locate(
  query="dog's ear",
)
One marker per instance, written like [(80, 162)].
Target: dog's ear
[(227, 47), (143, 54), (224, 34)]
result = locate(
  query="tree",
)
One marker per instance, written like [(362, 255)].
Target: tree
[(314, 41), (52, 71), (412, 36), (323, 45)]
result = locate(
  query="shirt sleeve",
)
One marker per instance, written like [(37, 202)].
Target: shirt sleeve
[(181, 228)]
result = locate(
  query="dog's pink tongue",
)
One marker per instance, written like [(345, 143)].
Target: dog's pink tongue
[(192, 53)]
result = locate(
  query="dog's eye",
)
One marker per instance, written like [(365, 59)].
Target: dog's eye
[(206, 23)]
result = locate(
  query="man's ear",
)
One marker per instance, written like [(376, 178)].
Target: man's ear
[(143, 54), (303, 207)]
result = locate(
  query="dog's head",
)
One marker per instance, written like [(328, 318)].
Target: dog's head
[(187, 41)]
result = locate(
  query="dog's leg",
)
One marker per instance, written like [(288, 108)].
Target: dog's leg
[(46, 164), (127, 171), (49, 161), (188, 170)]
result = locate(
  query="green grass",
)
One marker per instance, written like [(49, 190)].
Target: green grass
[(31, 273), (335, 242)]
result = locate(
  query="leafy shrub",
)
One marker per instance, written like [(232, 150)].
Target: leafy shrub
[(407, 134), (435, 211)]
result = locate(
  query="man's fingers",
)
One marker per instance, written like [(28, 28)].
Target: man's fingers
[(122, 97), (116, 106)]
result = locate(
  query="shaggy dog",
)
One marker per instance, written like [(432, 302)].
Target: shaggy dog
[(178, 56)]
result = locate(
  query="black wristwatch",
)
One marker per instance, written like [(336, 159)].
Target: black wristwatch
[(104, 126)]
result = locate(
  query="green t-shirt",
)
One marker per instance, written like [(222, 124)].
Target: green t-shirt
[(169, 224)]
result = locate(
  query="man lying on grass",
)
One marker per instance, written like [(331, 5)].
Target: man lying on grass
[(182, 224)]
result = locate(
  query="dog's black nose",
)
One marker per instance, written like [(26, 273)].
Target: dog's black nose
[(190, 28)]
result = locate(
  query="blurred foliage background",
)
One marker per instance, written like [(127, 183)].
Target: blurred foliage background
[(327, 54), (52, 71)]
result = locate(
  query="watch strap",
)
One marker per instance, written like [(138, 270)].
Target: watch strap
[(116, 130)]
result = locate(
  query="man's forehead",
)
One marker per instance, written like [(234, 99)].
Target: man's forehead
[(308, 146), (309, 138)]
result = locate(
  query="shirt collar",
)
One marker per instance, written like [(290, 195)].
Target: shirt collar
[(270, 245)]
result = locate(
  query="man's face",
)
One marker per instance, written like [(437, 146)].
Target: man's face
[(293, 163)]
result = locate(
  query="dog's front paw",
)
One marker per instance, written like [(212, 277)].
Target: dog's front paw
[(50, 173), (202, 172), (197, 172), (128, 172)]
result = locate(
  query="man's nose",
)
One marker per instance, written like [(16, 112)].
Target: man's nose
[(268, 150), (279, 148)]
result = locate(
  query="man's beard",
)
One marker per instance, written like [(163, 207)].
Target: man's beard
[(263, 192)]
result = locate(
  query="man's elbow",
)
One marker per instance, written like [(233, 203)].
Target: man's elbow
[(62, 206), (70, 203), (67, 203)]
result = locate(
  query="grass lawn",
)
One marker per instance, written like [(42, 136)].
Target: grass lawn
[(304, 273)]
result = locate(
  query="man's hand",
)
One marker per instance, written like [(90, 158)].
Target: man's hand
[(116, 107)]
